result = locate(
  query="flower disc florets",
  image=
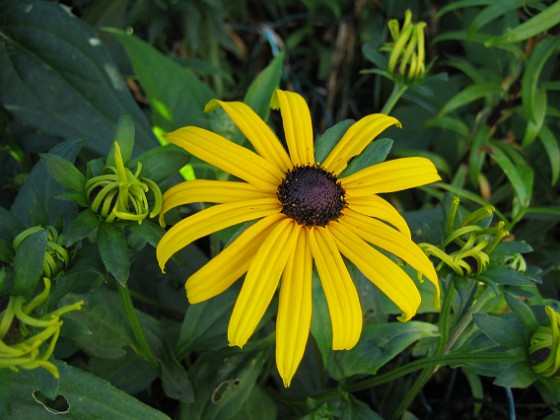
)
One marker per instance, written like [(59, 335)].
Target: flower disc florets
[(311, 196)]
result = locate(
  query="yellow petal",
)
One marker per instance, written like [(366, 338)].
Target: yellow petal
[(209, 191), (228, 156), (375, 206), (212, 220), (294, 309), (390, 176), (261, 282), (342, 298), (218, 274), (355, 140), (389, 239), (379, 269), (257, 132), (298, 128)]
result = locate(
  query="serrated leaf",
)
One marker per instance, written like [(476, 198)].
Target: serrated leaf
[(330, 138), (86, 396), (260, 91), (59, 77), (113, 249), (534, 26), (177, 99), (65, 173), (499, 330)]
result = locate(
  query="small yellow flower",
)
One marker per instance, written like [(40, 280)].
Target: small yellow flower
[(308, 216)]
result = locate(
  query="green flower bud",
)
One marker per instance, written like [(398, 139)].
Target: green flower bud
[(407, 52), (120, 194), (467, 247), (544, 346), (57, 257), (27, 341)]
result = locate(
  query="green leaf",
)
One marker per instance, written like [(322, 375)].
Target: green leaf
[(534, 126), (477, 390), (470, 94), (178, 98), (59, 77), (533, 69), (5, 393), (103, 316), (260, 91), (175, 380), (477, 154), (536, 25), (161, 163), (321, 329), (224, 381), (330, 138), (37, 202), (10, 226), (82, 226), (113, 249), (550, 144), (258, 406), (28, 264), (523, 313), (205, 324), (148, 231), (512, 172), (504, 275), (124, 135), (85, 396), (374, 153), (493, 11), (450, 123), (499, 330), (518, 375), (65, 173), (129, 373), (378, 344), (462, 4)]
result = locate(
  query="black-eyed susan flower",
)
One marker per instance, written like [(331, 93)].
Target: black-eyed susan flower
[(307, 216)]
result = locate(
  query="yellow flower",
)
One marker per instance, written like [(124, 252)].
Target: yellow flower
[(309, 217)]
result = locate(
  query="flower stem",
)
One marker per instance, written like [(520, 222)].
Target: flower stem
[(398, 90), (144, 347)]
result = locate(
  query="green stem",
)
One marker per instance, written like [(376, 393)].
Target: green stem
[(427, 373), (398, 90), (144, 347), (428, 362)]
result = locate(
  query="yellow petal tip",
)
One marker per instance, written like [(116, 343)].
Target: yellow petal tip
[(212, 105), (274, 102)]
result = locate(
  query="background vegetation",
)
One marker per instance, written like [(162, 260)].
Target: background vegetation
[(486, 113)]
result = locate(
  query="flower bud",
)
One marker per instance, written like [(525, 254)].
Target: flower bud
[(544, 346)]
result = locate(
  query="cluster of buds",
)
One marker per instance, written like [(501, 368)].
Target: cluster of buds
[(406, 52), (468, 244), (120, 194), (28, 341), (544, 346), (57, 257)]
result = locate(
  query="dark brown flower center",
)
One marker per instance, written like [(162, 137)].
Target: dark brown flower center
[(311, 196)]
